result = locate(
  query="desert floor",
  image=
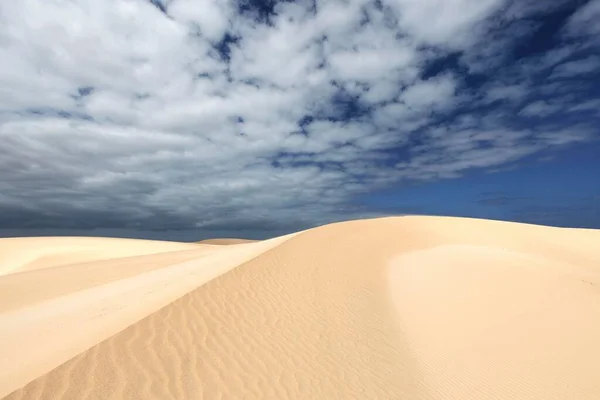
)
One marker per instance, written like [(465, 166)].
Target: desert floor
[(391, 308)]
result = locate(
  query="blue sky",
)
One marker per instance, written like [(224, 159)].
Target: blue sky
[(558, 191), (184, 119)]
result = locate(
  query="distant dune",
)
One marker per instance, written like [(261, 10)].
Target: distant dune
[(19, 254), (225, 241), (393, 308)]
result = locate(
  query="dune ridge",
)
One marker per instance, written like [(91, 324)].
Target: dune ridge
[(225, 241), (411, 307)]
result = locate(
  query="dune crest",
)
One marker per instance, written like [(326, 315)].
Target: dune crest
[(226, 241), (411, 307)]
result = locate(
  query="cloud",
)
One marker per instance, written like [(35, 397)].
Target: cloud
[(511, 93), (448, 152), (441, 22), (188, 114), (589, 105), (429, 94), (539, 108), (585, 20), (209, 18), (575, 68)]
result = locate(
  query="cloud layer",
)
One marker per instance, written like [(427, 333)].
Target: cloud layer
[(211, 114)]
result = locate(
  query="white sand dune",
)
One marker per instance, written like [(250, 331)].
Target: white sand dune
[(394, 308), (20, 254), (225, 241)]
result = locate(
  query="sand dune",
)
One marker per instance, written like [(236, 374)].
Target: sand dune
[(226, 241), (411, 307), (20, 254)]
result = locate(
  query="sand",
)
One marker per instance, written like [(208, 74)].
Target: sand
[(393, 308), (19, 254), (225, 241)]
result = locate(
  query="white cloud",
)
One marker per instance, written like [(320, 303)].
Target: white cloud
[(444, 155), (429, 94), (211, 18), (368, 64), (539, 108), (293, 53), (443, 22)]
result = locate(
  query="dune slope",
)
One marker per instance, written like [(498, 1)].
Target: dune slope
[(23, 254), (412, 307), (49, 315)]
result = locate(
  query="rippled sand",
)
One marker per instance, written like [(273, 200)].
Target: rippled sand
[(393, 308)]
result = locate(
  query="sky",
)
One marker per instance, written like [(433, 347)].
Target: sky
[(189, 119)]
